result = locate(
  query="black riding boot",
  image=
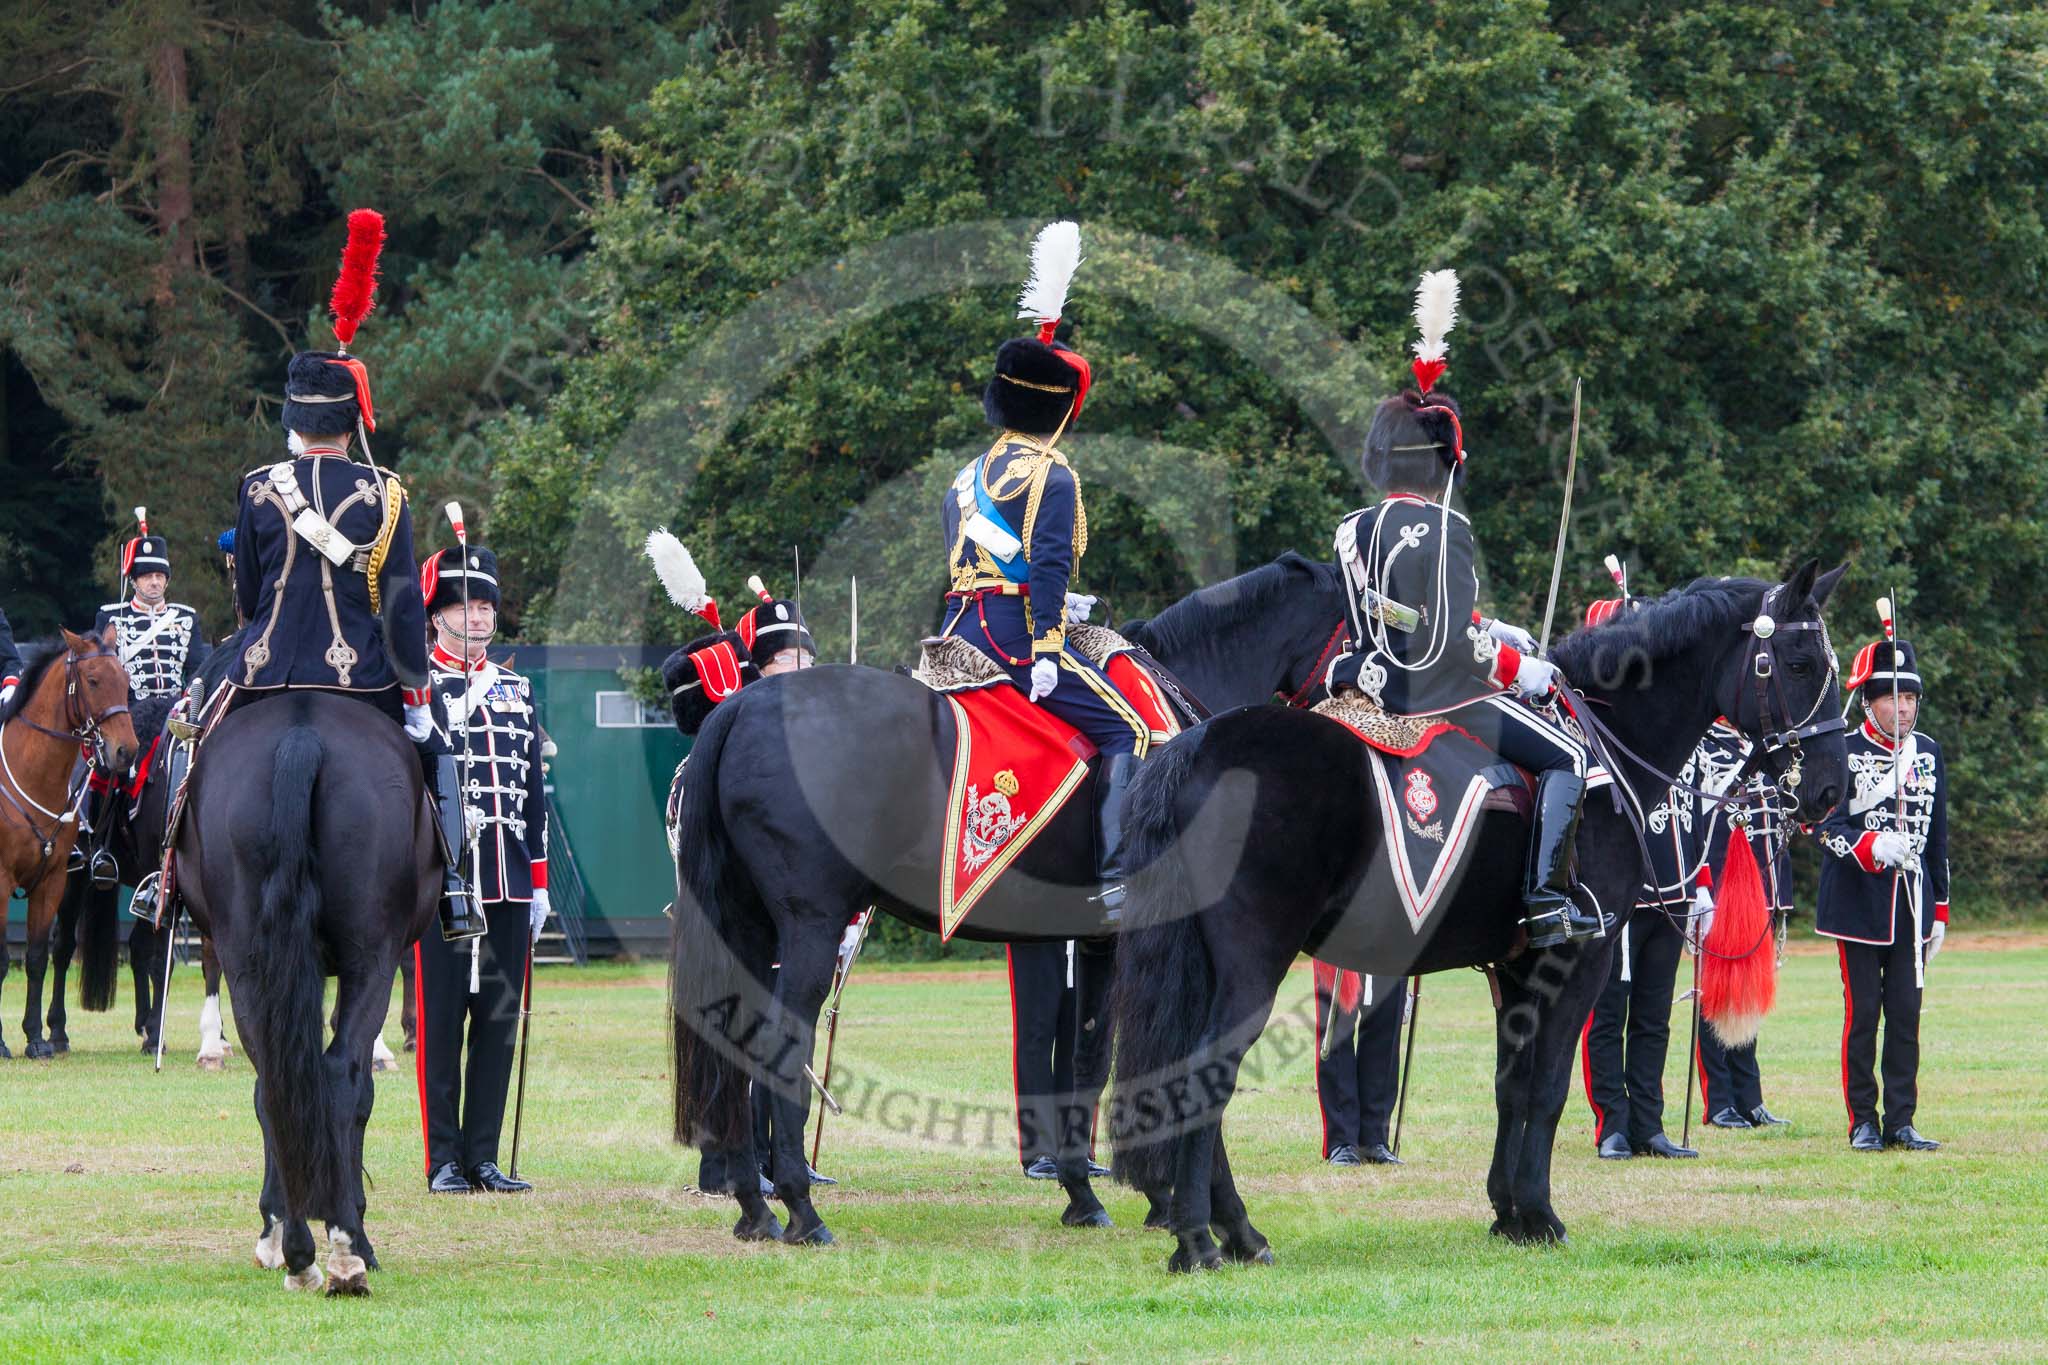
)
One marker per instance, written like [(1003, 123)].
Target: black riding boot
[(459, 916), (89, 851), (1112, 780), (1554, 916)]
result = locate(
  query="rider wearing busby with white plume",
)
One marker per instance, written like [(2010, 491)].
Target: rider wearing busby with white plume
[(1418, 645), (1016, 529)]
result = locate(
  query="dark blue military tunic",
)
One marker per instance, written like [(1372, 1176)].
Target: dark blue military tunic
[(502, 780), (161, 649), (310, 617), (1856, 901), (1015, 532)]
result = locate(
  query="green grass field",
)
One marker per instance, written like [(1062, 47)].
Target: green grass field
[(127, 1206)]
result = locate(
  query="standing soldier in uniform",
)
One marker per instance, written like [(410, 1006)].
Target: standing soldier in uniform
[(1884, 893), (493, 742), (1357, 1084), (162, 646)]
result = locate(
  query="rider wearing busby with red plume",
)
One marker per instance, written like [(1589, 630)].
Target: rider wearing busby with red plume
[(1015, 531), (324, 564), (1418, 645)]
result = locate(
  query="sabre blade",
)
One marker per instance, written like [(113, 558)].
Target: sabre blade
[(1564, 520)]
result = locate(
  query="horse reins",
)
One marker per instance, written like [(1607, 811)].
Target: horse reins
[(1760, 667)]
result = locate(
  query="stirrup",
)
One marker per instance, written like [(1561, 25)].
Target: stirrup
[(460, 918), (142, 904), (1555, 927), (105, 869)]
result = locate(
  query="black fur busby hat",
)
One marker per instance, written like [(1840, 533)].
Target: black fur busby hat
[(1417, 438), (1880, 665), (773, 626), (320, 395), (446, 574), (703, 673), (1039, 382), (144, 552)]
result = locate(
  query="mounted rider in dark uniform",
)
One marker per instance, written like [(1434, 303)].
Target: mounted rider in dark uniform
[(1418, 645), (1015, 532), (324, 571)]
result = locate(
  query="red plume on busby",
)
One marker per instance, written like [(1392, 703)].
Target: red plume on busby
[(355, 288), (1738, 963)]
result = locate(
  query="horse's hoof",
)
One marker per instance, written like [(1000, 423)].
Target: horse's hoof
[(1097, 1217), (61, 1044), (817, 1235), (1180, 1263), (351, 1286), (309, 1278), (766, 1228), (5, 1055), (1259, 1252), (211, 1064), (38, 1051), (378, 1064)]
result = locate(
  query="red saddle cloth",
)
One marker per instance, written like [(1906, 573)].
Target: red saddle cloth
[(1014, 767)]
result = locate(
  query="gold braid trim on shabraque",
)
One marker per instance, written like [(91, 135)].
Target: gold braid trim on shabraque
[(394, 500), (1356, 710)]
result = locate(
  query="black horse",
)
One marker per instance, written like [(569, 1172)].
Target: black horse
[(1257, 840), (812, 795), (307, 851)]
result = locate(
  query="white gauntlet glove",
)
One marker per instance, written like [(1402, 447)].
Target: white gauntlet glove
[(1512, 635), (537, 913), (1079, 604), (1536, 677), (1937, 932), (1890, 849), (1702, 919), (1045, 675), (419, 722)]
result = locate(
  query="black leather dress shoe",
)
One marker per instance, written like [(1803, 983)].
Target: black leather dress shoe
[(1614, 1147), (1659, 1145), (1764, 1118), (817, 1178), (1096, 1170), (1344, 1154), (449, 1179), (1043, 1168), (1909, 1138), (1379, 1154), (1864, 1138), (1726, 1117), (489, 1178)]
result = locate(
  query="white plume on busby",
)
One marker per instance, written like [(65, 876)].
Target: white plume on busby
[(680, 576), (1055, 256), (1436, 313)]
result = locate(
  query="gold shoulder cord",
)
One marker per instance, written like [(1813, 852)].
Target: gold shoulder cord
[(394, 500)]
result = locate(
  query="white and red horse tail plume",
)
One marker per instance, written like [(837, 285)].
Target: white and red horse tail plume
[(1054, 258), (681, 577), (1436, 312), (355, 288)]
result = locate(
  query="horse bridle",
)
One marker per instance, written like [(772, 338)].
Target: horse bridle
[(85, 729)]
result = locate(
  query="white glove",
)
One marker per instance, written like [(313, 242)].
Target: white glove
[(848, 941), (7, 691), (1702, 919), (1536, 677), (1891, 849), (1512, 635), (1079, 604), (419, 722), (537, 913), (1045, 675), (1934, 939)]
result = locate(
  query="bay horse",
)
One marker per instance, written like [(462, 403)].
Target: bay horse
[(812, 795), (72, 696), (307, 851), (1255, 834)]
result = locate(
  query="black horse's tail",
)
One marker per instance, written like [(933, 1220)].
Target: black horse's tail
[(718, 932), (99, 944), (285, 1016), (1164, 979)]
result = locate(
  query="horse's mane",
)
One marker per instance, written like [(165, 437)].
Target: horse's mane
[(35, 663), (1208, 612), (1656, 631)]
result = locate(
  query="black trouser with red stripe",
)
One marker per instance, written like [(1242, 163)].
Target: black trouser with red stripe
[(1729, 1078), (1629, 1031), (1877, 981), (1357, 1084), (1045, 1021), (462, 1113)]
